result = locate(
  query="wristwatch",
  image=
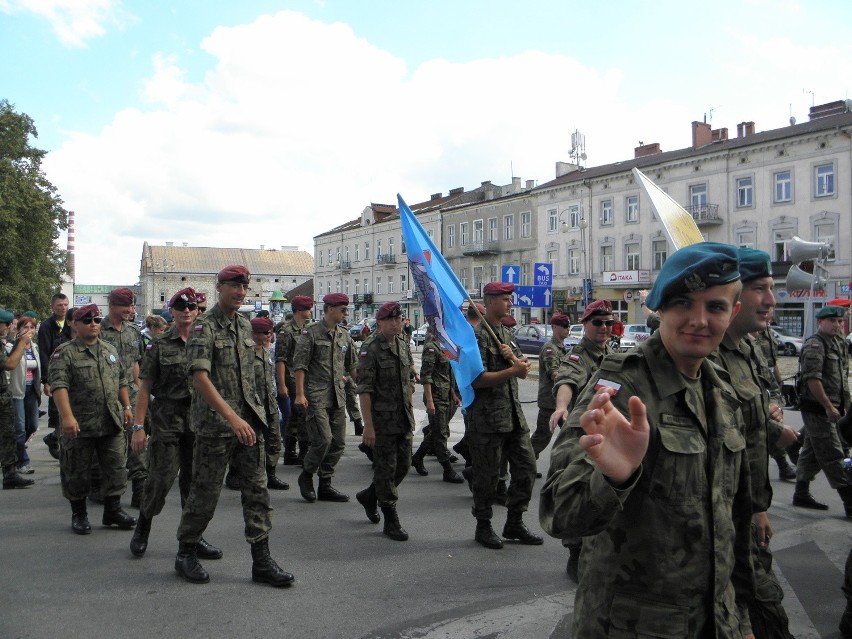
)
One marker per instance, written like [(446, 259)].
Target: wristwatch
[(137, 427)]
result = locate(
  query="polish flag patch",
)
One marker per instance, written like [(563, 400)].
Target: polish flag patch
[(574, 358), (604, 384)]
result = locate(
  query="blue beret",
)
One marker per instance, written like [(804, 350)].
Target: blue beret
[(754, 264), (5, 316), (694, 268), (831, 311)]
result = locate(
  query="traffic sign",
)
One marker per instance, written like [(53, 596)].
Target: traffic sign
[(511, 274), (532, 297), (543, 274)]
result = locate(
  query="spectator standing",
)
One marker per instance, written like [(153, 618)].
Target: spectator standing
[(52, 332), (9, 361), (25, 388)]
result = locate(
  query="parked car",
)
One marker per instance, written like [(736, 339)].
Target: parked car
[(787, 343), (576, 331), (531, 337), (356, 329), (634, 334), (419, 336)]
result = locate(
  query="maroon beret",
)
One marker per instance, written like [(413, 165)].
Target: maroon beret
[(261, 325), (121, 297), (508, 321), (200, 298), (560, 320), (601, 307), (336, 299), (498, 288), (389, 310), (234, 273), (302, 303), (186, 294), (87, 310)]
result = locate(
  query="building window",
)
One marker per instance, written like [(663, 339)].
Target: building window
[(464, 278), (779, 242), (632, 204), (745, 238), (367, 250), (553, 259), (745, 192), (826, 231), (478, 232), (402, 244), (784, 186), (631, 256), (162, 298), (607, 258), (451, 236), (477, 278), (526, 229), (378, 285), (430, 234), (346, 253), (390, 248), (509, 227), (824, 180), (492, 229), (552, 221), (357, 252), (493, 277), (320, 289), (356, 287), (403, 283), (698, 195), (321, 260), (574, 262), (337, 258), (574, 217), (330, 263), (463, 233), (606, 213), (661, 253), (378, 249), (390, 283), (525, 274), (346, 286)]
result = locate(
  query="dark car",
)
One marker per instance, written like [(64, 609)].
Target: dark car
[(531, 337), (356, 329)]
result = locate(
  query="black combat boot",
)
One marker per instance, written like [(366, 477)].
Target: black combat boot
[(417, 460), (392, 527), (13, 479), (786, 472), (264, 569), (367, 498), (486, 536), (359, 427), (79, 519), (272, 481), (115, 516), (139, 541), (232, 480), (845, 493), (516, 529), (366, 450), (450, 475), (205, 550), (306, 487), (291, 457), (327, 492), (188, 566), (803, 499), (138, 491), (573, 566)]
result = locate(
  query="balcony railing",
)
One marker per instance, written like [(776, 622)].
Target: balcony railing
[(704, 213), (386, 259), (482, 248), (344, 265)]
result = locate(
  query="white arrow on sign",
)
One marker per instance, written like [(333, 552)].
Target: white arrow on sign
[(515, 299), (526, 300), (543, 269), (547, 297), (510, 273)]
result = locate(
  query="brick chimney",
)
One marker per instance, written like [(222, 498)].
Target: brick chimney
[(702, 134), (647, 149)]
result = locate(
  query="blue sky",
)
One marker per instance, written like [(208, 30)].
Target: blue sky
[(261, 122)]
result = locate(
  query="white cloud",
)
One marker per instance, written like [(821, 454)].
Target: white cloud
[(73, 21)]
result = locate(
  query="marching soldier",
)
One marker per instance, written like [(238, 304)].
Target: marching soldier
[(548, 368)]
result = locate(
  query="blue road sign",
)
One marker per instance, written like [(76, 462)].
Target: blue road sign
[(511, 274), (532, 296), (543, 274)]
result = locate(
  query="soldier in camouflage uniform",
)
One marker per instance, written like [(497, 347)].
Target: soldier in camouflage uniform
[(385, 388), (264, 367), (172, 443), (658, 485), (89, 385), (324, 356), (824, 366), (118, 329), (575, 371), (441, 399), (738, 354), (548, 367), (228, 418), (496, 427), (285, 348), (8, 448)]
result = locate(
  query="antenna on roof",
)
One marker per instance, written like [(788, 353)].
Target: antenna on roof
[(578, 148)]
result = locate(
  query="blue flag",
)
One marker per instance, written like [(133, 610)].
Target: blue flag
[(441, 295)]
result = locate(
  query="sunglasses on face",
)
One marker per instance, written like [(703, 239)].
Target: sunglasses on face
[(600, 322), (89, 320), (182, 306)]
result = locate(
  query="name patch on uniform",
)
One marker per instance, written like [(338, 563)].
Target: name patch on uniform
[(604, 384)]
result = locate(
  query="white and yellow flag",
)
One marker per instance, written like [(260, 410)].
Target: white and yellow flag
[(679, 226)]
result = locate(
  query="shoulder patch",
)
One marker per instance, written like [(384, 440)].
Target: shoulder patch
[(364, 353), (198, 327), (574, 358), (603, 384)]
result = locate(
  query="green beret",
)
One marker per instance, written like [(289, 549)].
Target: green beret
[(831, 311), (5, 316), (754, 264), (694, 268)]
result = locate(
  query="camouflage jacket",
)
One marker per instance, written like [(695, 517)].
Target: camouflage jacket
[(435, 369), (326, 356), (824, 358), (164, 365), (127, 341), (578, 366), (264, 380), (285, 348), (384, 372), (548, 366)]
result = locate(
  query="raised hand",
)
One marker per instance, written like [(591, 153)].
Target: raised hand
[(615, 445)]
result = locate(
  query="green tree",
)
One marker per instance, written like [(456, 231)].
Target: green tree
[(31, 217)]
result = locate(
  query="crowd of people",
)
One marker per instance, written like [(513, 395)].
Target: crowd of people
[(658, 481)]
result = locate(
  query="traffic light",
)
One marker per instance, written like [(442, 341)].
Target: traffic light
[(808, 258)]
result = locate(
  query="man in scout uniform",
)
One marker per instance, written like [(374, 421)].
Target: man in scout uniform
[(385, 387), (264, 366), (651, 471), (228, 418), (324, 356), (89, 385), (496, 428), (8, 449), (824, 366), (296, 433), (172, 442)]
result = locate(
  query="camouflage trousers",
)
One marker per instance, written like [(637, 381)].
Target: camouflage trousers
[(353, 408), (297, 425), (209, 464), (272, 440), (439, 431), (391, 461), (541, 437), (488, 451), (170, 452), (327, 429), (77, 456), (8, 437), (822, 450), (765, 610)]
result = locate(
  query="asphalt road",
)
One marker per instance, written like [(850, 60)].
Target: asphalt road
[(351, 581)]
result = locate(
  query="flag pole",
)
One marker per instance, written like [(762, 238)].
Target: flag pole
[(488, 326)]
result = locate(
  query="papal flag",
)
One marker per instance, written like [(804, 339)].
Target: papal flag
[(441, 295)]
